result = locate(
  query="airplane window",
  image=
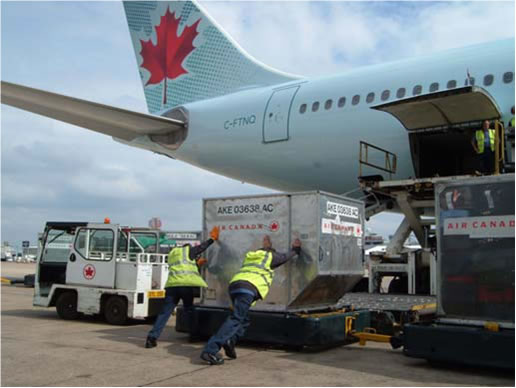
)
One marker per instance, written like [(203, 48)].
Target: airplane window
[(417, 90), (370, 97), (342, 102), (508, 77), (356, 99), (434, 87), (327, 104), (315, 106), (400, 93), (451, 84), (488, 80), (385, 95), (302, 108)]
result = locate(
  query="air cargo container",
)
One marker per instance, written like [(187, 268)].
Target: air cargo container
[(330, 228), (475, 294)]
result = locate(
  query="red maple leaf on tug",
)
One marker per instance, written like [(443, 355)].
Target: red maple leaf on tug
[(165, 59)]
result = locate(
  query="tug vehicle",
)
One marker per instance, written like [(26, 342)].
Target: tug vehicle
[(100, 268)]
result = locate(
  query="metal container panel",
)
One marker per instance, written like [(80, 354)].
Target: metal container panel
[(342, 225), (303, 269), (330, 228), (243, 222), (475, 236), (336, 254)]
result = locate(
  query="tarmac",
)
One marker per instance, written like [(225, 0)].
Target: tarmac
[(39, 349)]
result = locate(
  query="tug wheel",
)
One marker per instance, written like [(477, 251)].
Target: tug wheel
[(66, 306), (115, 310)]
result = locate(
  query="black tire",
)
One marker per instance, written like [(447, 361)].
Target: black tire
[(66, 306), (29, 280), (361, 286), (115, 310), (398, 285)]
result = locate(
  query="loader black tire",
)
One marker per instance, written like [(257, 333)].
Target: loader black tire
[(66, 306), (399, 285), (115, 310), (29, 280)]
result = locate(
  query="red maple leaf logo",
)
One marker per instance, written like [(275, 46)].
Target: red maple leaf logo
[(89, 272), (165, 59), (274, 226)]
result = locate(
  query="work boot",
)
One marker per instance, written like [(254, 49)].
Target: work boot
[(150, 343), (229, 349), (212, 359)]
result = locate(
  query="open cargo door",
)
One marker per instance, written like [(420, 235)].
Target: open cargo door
[(440, 127)]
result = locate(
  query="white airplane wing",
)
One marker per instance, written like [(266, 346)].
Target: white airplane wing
[(118, 123)]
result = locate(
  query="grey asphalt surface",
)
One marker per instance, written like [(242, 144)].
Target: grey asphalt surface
[(39, 349)]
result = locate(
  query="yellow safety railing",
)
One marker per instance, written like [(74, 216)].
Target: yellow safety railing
[(390, 159), (499, 146)]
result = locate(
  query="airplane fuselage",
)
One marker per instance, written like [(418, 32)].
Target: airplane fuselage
[(260, 137), (214, 106)]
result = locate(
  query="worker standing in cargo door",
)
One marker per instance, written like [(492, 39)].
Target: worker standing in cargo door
[(183, 278), (251, 283), (484, 145), (510, 123)]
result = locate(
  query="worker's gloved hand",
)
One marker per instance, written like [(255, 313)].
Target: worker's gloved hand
[(201, 261), (296, 246), (214, 234)]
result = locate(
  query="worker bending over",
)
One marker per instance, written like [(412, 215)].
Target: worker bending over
[(183, 278), (252, 282)]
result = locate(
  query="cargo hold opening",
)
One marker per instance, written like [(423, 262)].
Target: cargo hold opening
[(444, 153), (440, 127)]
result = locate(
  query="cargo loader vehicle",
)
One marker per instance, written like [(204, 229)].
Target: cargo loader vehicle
[(475, 277)]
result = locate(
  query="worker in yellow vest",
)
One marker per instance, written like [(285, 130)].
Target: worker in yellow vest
[(484, 145), (511, 121), (251, 283), (183, 278)]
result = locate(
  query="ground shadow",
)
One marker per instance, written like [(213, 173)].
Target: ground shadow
[(394, 364), (175, 343), (52, 315), (31, 314)]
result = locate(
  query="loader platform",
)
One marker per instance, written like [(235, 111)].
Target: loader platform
[(297, 330)]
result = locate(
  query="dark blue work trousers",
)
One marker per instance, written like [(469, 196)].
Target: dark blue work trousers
[(172, 297), (487, 160), (235, 325)]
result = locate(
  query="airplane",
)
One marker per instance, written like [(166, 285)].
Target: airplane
[(215, 107)]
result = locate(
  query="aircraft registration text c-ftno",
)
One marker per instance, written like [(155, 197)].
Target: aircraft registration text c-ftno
[(214, 106), (240, 122)]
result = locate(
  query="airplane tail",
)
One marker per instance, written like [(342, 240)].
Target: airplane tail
[(184, 56)]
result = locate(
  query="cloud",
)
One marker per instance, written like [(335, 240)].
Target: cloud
[(54, 171), (319, 38)]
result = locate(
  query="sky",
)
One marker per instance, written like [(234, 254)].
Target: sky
[(55, 171)]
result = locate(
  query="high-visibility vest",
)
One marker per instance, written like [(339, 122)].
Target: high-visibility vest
[(257, 270), (481, 139), (511, 122), (182, 271)]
